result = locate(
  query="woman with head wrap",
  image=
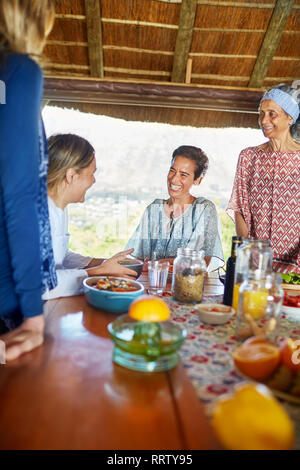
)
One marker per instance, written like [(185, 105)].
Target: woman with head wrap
[(265, 196)]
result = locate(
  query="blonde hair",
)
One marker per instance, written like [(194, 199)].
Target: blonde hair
[(24, 25), (67, 151)]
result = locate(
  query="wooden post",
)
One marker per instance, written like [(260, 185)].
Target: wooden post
[(270, 42), (188, 70), (94, 36), (184, 39)]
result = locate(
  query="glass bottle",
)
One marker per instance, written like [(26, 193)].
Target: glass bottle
[(230, 268), (252, 254), (260, 301), (189, 271)]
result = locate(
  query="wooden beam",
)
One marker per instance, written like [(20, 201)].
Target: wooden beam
[(140, 93), (188, 70), (45, 103), (94, 35), (184, 39), (270, 42)]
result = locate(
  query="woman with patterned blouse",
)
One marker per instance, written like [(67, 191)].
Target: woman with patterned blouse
[(266, 191), (182, 220)]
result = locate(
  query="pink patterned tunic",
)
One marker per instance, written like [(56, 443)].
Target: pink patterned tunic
[(266, 192)]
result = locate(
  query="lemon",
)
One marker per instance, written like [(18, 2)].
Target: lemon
[(252, 419)]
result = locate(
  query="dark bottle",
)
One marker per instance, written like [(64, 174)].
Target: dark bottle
[(230, 268)]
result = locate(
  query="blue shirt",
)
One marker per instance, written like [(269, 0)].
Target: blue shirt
[(157, 236), (21, 253)]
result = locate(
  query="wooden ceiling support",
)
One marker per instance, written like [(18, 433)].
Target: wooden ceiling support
[(94, 33), (270, 42), (183, 40), (93, 91)]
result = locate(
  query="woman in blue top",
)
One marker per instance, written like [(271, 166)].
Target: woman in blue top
[(27, 267)]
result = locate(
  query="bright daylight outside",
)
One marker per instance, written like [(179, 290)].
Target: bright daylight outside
[(133, 160)]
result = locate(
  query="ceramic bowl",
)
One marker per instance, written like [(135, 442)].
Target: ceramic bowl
[(134, 264), (116, 302), (208, 314)]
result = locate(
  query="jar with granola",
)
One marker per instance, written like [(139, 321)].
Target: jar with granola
[(188, 275)]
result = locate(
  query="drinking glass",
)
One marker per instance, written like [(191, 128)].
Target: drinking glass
[(157, 276)]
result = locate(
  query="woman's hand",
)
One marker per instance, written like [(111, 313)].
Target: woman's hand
[(111, 267), (25, 338)]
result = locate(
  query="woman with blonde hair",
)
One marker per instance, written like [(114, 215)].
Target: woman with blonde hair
[(27, 266), (72, 166)]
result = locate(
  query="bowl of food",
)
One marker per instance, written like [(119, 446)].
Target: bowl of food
[(112, 294), (214, 314), (134, 264)]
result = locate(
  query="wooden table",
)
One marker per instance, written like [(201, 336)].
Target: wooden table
[(68, 394)]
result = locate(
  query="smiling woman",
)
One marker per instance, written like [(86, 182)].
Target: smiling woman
[(72, 166), (265, 196), (182, 220)]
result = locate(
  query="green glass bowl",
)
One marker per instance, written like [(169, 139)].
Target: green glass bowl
[(146, 346)]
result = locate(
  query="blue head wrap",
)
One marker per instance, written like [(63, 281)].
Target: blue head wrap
[(285, 101)]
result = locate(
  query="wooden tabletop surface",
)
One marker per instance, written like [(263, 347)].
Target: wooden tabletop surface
[(68, 394)]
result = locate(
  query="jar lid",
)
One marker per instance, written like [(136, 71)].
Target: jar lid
[(190, 253)]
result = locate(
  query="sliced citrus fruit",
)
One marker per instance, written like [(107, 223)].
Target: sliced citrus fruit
[(252, 419), (257, 360), (255, 339), (290, 354), (149, 308)]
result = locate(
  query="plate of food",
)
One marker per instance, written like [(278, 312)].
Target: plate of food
[(291, 303), (278, 367), (291, 281)]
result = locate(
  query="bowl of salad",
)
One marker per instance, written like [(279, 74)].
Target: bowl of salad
[(290, 281), (112, 294)]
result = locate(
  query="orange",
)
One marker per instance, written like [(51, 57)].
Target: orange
[(255, 339), (252, 419), (257, 360), (149, 308), (290, 354)]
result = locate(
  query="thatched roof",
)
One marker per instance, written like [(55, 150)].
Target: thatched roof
[(185, 61)]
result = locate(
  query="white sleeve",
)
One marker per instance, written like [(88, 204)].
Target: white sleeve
[(75, 260), (69, 282)]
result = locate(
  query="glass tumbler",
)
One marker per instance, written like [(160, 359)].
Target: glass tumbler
[(157, 276)]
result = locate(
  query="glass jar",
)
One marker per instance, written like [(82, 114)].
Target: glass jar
[(252, 255), (189, 270), (260, 301)]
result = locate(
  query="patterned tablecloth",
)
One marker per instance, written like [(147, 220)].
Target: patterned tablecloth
[(206, 353)]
